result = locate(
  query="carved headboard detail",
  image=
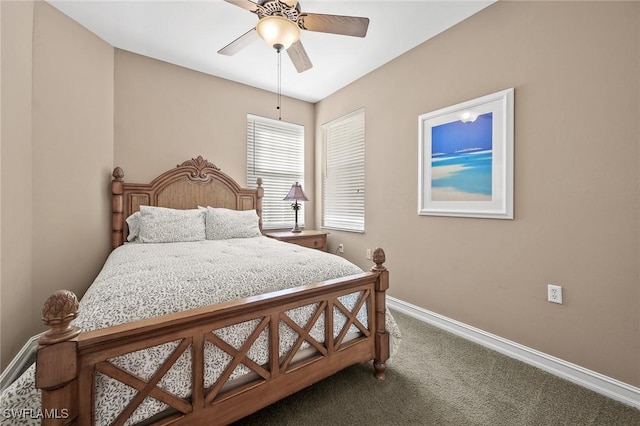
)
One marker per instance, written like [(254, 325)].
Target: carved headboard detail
[(195, 182)]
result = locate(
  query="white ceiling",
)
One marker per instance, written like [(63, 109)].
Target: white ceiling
[(189, 33)]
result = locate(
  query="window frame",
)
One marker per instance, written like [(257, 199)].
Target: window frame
[(343, 148), (277, 141)]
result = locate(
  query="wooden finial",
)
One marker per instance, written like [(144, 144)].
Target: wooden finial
[(58, 312), (118, 173), (259, 182), (379, 258)]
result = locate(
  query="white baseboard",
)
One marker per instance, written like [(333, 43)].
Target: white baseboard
[(589, 379), (20, 362)]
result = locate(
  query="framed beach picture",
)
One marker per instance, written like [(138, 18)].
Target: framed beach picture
[(466, 159)]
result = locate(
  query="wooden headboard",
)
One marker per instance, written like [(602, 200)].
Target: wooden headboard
[(196, 182)]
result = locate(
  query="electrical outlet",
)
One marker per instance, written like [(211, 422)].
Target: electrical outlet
[(340, 248), (368, 254), (554, 293)]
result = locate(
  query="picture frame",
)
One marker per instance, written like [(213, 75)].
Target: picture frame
[(466, 158)]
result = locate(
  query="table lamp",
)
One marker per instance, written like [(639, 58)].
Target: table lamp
[(296, 194)]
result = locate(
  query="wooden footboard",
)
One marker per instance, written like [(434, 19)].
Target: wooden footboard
[(68, 361)]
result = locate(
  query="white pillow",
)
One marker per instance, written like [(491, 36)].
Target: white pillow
[(164, 225), (133, 222), (222, 224)]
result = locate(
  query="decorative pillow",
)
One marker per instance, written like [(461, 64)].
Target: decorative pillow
[(222, 224), (163, 225), (133, 222)]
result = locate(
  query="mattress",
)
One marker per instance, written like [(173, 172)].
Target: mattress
[(141, 281)]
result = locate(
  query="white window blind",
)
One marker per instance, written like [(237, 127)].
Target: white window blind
[(343, 173), (275, 153)]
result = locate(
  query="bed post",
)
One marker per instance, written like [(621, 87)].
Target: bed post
[(259, 196), (117, 207), (56, 362), (382, 335)]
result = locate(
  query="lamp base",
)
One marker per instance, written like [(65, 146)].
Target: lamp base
[(295, 208)]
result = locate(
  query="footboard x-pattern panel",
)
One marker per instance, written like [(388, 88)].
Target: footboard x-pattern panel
[(342, 314), (303, 335), (351, 317), (148, 388), (238, 357)]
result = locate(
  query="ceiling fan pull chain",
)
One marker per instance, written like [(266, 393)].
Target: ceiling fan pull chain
[(279, 85)]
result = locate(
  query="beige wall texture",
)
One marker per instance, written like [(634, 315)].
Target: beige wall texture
[(18, 320), (575, 67), (165, 114), (57, 154)]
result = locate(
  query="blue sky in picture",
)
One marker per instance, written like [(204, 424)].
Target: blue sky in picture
[(461, 160), (455, 136)]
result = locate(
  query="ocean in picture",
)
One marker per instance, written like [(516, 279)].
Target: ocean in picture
[(461, 160)]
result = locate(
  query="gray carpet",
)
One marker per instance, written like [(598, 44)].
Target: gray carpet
[(440, 379)]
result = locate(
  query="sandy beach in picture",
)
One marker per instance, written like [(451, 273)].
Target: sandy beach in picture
[(452, 194)]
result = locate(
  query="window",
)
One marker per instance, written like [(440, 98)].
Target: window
[(343, 173), (275, 153)]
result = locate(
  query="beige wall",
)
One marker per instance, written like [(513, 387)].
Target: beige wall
[(57, 154), (575, 68), (165, 114), (15, 245)]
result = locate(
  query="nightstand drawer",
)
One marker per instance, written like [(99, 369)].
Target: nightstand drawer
[(307, 238), (319, 242)]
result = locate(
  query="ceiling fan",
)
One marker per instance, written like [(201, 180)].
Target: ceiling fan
[(280, 22)]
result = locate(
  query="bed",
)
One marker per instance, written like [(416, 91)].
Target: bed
[(231, 323)]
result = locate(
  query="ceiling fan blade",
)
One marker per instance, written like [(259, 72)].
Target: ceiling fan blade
[(245, 4), (299, 57), (336, 24), (240, 43)]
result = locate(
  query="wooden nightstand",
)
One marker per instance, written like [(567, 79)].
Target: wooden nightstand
[(306, 238)]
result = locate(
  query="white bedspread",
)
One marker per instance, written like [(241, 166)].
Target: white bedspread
[(146, 280)]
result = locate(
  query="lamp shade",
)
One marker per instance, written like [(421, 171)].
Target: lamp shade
[(278, 31), (296, 193)]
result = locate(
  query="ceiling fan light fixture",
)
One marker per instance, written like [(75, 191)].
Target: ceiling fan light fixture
[(278, 31)]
